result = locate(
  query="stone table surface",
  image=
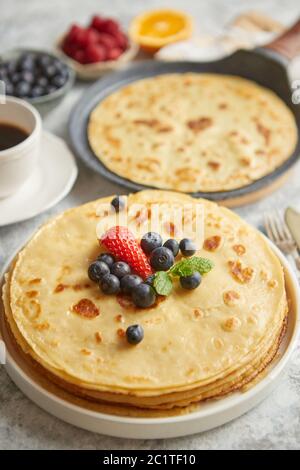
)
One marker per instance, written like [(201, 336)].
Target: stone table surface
[(275, 423)]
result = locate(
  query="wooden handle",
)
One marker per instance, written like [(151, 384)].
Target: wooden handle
[(288, 43)]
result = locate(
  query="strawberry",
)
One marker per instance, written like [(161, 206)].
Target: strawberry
[(120, 242)]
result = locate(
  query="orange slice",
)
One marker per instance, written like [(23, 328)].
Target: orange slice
[(157, 28)]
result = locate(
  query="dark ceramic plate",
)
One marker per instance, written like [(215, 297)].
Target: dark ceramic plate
[(262, 66)]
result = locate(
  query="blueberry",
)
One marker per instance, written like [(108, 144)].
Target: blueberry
[(143, 295), (150, 241), (150, 280), (110, 284), (134, 334), (129, 282), (97, 270), (36, 91), (161, 259), (44, 60), (62, 69), (118, 203), (187, 247), (120, 269), (173, 245), (58, 81), (191, 282), (41, 81), (50, 89), (22, 89), (107, 258), (27, 76), (50, 71), (11, 66), (15, 78), (58, 64), (26, 62)]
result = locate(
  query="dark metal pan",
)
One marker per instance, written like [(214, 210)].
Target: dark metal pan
[(266, 66)]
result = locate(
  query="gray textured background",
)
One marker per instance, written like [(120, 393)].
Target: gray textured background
[(273, 424)]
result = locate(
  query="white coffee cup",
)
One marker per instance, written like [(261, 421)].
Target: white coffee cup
[(17, 163)]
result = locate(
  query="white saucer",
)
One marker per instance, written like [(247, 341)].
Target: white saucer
[(210, 414), (51, 181)]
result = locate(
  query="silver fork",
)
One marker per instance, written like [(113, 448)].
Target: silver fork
[(279, 233)]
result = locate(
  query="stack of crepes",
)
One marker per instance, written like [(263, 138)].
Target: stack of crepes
[(197, 344)]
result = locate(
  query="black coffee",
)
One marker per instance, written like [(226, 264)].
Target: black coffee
[(11, 135)]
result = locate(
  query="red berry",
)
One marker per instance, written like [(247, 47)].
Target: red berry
[(114, 53), (73, 33), (110, 26), (95, 53), (79, 56), (81, 38), (92, 36), (67, 48), (96, 22), (120, 242), (121, 40), (107, 40), (86, 37)]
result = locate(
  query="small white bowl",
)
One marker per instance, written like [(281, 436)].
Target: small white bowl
[(94, 71), (44, 103), (17, 163)]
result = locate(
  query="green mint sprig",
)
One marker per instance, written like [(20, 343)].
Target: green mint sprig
[(163, 283), (187, 266)]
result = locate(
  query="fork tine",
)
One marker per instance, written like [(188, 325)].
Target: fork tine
[(271, 228), (268, 228), (287, 231), (278, 221)]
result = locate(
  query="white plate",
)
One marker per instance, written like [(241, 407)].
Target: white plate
[(210, 414), (50, 182)]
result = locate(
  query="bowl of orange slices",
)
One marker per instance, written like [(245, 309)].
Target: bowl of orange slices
[(155, 29)]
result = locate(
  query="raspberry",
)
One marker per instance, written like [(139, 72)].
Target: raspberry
[(92, 36), (95, 53), (121, 40), (107, 40), (69, 49), (114, 53), (121, 243), (110, 26), (79, 56), (73, 33), (96, 22)]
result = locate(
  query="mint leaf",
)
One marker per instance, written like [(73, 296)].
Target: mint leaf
[(186, 267), (162, 283)]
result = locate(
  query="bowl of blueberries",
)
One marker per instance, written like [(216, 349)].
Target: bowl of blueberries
[(36, 76)]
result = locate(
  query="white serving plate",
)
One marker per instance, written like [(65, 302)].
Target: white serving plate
[(50, 182), (210, 414)]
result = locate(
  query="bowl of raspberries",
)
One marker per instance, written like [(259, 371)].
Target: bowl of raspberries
[(100, 47)]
